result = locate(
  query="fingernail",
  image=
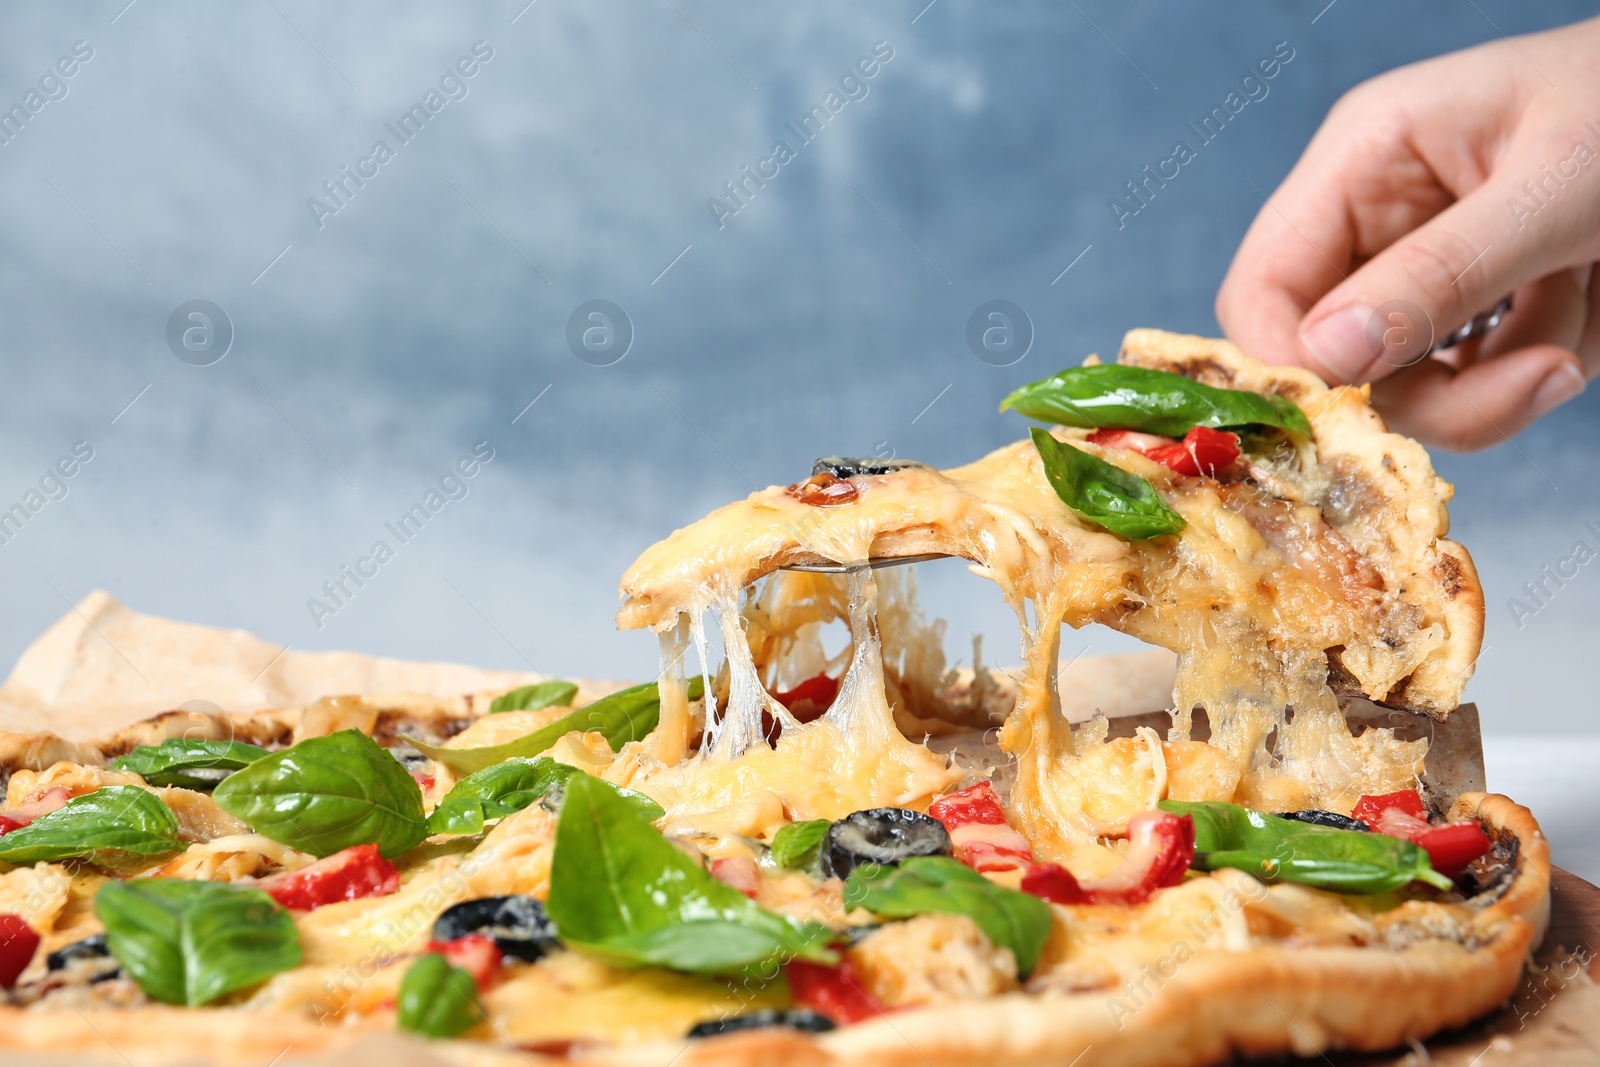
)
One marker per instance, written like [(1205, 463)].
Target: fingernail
[(1339, 342), (1560, 386)]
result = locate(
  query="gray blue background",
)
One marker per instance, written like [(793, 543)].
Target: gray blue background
[(827, 316)]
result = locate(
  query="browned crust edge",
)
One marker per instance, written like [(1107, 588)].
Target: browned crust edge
[(1266, 1000)]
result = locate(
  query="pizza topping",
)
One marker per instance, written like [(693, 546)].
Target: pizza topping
[(850, 467), (981, 837), (438, 999), (191, 942), (623, 893), (626, 715), (477, 954), (46, 801), (535, 696), (937, 884), (1160, 850), (883, 836), (1450, 847), (823, 490), (1318, 817), (1202, 450), (356, 872), (933, 959), (836, 991), (795, 1019), (1278, 849), (518, 924), (328, 793), (506, 788), (738, 872), (18, 943), (1453, 846), (1159, 402), (810, 699), (190, 762), (1108, 496), (798, 843), (107, 825), (89, 961)]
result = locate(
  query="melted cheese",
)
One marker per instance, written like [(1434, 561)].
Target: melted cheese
[(1249, 595)]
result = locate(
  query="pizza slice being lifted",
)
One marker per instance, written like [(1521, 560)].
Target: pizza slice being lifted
[(857, 856)]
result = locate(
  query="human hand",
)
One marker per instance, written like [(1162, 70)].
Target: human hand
[(1428, 194)]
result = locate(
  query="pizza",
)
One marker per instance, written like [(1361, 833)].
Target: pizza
[(812, 839)]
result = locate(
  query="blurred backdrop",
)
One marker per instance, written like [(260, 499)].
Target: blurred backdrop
[(270, 270)]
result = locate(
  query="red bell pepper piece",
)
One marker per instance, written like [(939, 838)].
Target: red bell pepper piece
[(1160, 849), (810, 699), (1450, 847), (1369, 808), (836, 992), (355, 872), (40, 804), (1202, 450), (477, 954), (18, 943), (1453, 846), (982, 838)]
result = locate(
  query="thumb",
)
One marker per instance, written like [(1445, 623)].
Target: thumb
[(1461, 262)]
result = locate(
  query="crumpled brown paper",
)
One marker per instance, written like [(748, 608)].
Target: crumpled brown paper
[(102, 667)]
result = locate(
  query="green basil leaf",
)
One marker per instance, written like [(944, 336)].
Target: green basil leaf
[(508, 787), (438, 1000), (185, 761), (114, 819), (328, 793), (1012, 919), (1108, 496), (626, 715), (190, 942), (1116, 397), (533, 697), (797, 843), (622, 892), (1275, 849)]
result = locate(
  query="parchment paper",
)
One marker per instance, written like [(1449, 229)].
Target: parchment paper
[(102, 667)]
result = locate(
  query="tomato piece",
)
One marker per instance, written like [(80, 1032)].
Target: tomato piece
[(836, 992), (424, 781), (351, 874), (1160, 850), (40, 804), (1131, 440), (974, 804), (809, 700), (1053, 882), (1202, 450), (823, 490), (477, 954), (18, 943), (738, 872), (1453, 846), (1369, 808), (1402, 824), (982, 838)]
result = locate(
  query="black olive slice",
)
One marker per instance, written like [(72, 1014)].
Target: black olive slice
[(846, 467), (884, 836), (517, 923), (795, 1019), (89, 960), (1317, 817)]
